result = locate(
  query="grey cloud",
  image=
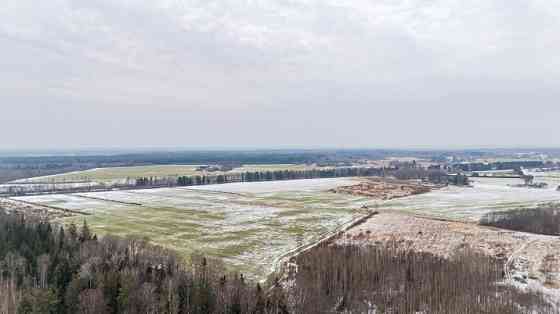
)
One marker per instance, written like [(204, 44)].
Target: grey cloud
[(285, 72)]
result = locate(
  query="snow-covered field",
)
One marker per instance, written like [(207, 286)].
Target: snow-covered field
[(38, 187), (247, 225), (115, 174), (122, 175), (486, 195), (305, 185)]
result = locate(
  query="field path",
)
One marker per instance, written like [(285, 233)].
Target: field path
[(283, 261), (106, 200)]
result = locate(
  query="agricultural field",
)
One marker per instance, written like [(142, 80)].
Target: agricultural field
[(552, 178), (252, 225), (486, 195), (121, 175), (248, 225), (273, 167), (116, 174), (46, 187)]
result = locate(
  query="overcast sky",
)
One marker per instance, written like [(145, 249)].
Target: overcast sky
[(284, 73)]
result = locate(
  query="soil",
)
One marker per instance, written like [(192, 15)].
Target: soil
[(384, 189)]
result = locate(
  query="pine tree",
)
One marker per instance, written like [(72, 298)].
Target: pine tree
[(85, 233)]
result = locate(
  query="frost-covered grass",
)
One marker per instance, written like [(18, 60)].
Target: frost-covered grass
[(68, 201), (486, 195), (38, 187), (112, 174), (552, 178), (248, 225), (121, 174), (278, 186), (272, 167)]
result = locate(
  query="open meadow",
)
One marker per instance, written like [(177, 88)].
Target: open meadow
[(122, 174), (485, 196), (107, 178), (116, 174), (251, 225), (248, 225)]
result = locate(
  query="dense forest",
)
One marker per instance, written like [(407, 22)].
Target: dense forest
[(48, 269), (541, 220), (353, 279)]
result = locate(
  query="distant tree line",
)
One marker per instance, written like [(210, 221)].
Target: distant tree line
[(14, 167), (17, 167), (434, 176), (541, 220), (500, 165), (277, 175)]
